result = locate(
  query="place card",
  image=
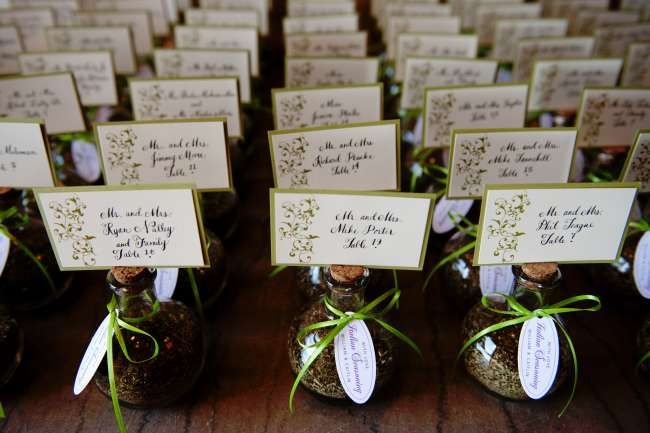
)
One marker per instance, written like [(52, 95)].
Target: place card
[(530, 50), (636, 70), (558, 84), (432, 45), (236, 38), (479, 157), (138, 21), (10, 46), (637, 164), (487, 14), (612, 41), (418, 9), (421, 72), (116, 39), (51, 97), (327, 106), (360, 156), (187, 98), (261, 6), (164, 152), (93, 72), (479, 106), (156, 9), (466, 10), (326, 45), (222, 18), (570, 8), (588, 20), (99, 227), (507, 33), (330, 71), (25, 160), (309, 8), (320, 24), (415, 24), (31, 25), (189, 63), (612, 116), (564, 223), (378, 230), (63, 9)]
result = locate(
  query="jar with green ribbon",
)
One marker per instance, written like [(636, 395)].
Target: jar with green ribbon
[(163, 345)]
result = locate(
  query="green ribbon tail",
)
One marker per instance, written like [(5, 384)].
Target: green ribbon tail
[(645, 358), (111, 374), (2, 411), (399, 334), (277, 270), (32, 257), (459, 252), (195, 293)]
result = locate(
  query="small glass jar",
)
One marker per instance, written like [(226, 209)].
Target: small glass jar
[(493, 359), (643, 343), (179, 333), (210, 281), (345, 289), (461, 281), (221, 212), (76, 159), (312, 285), (11, 345)]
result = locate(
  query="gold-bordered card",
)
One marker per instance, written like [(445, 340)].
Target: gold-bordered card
[(353, 44), (637, 164), (330, 71)]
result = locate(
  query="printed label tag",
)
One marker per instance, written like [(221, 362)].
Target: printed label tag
[(92, 358), (86, 160), (642, 266), (355, 361), (496, 279), (165, 283), (441, 221), (539, 356), (5, 244)]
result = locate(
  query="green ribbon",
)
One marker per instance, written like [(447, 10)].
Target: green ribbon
[(2, 411), (195, 292), (14, 212), (522, 314), (638, 226), (365, 313), (277, 270), (599, 176), (423, 158), (645, 358), (115, 324)]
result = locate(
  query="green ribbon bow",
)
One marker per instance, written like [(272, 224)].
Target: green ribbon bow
[(424, 164), (522, 314), (365, 313), (23, 219), (115, 324)]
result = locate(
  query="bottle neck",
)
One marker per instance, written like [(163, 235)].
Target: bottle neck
[(138, 300), (347, 296), (533, 294)]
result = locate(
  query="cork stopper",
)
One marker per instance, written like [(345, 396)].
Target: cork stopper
[(127, 274), (346, 274), (4, 190), (540, 272)]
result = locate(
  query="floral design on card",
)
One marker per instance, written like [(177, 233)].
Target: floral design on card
[(62, 40), (298, 218), (509, 213), (547, 86), (417, 81), (121, 155), (469, 166), (151, 98), (591, 120), (300, 74), (69, 217), (440, 110), (291, 111), (638, 70), (292, 153), (172, 65), (640, 165)]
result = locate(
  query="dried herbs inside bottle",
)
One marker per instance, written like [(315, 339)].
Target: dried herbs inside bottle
[(11, 345)]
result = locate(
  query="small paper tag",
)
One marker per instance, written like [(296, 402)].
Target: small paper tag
[(165, 283), (355, 361), (86, 160), (5, 244), (496, 279), (539, 356), (642, 266), (441, 221), (92, 358)]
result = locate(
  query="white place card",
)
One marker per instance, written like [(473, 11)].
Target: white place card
[(25, 160), (530, 50), (460, 107), (93, 72), (415, 24), (188, 63), (187, 98), (558, 84), (636, 70), (353, 44), (506, 156), (156, 9), (261, 6), (417, 9), (236, 38), (327, 106), (487, 14), (330, 71), (507, 33), (320, 24), (637, 165), (466, 10), (222, 18), (360, 156), (51, 97), (432, 45), (611, 117), (588, 20), (380, 230), (570, 8), (163, 152), (422, 72), (138, 21), (31, 25), (116, 39), (10, 46), (104, 226), (304, 8), (63, 9), (564, 223), (612, 41)]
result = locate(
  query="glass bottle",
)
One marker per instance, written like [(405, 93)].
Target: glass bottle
[(76, 159), (461, 281), (493, 359), (345, 289), (221, 212), (643, 343), (11, 345), (179, 334), (607, 162), (210, 281), (312, 285)]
